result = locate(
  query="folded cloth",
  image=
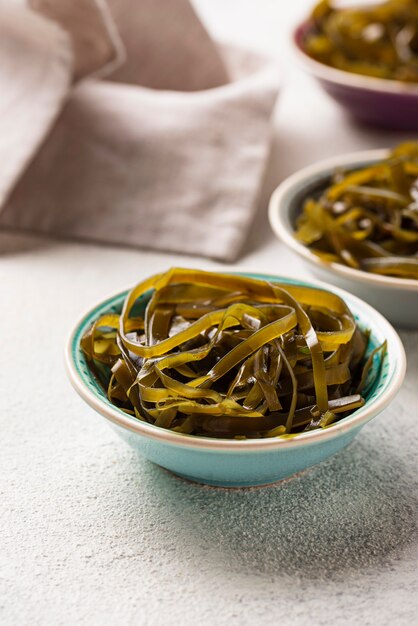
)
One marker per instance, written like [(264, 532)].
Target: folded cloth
[(95, 41), (167, 47), (36, 64), (171, 170)]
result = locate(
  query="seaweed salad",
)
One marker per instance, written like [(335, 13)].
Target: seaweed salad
[(368, 218), (379, 40), (224, 355)]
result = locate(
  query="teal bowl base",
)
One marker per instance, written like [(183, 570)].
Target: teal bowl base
[(223, 485), (238, 469)]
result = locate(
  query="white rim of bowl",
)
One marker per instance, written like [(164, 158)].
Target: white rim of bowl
[(349, 79), (362, 416), (280, 222)]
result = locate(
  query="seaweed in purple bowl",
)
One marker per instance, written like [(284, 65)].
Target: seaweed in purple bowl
[(383, 102)]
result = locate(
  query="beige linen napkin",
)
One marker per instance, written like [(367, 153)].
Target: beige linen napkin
[(35, 72), (39, 58), (175, 170), (96, 44), (167, 47)]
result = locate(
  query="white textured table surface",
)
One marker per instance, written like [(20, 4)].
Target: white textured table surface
[(93, 534)]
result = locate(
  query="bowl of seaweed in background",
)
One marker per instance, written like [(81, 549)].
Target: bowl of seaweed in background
[(394, 297), (356, 77), (242, 462)]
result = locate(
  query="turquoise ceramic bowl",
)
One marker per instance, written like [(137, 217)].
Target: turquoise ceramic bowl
[(250, 462)]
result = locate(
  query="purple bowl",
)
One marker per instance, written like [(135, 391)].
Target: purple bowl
[(377, 101)]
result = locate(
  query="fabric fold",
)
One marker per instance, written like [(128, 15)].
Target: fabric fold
[(96, 44), (36, 63), (167, 46), (169, 170)]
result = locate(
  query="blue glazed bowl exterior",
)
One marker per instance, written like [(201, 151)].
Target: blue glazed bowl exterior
[(236, 469), (241, 463)]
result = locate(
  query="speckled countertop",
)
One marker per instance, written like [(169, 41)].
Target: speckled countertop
[(93, 534)]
